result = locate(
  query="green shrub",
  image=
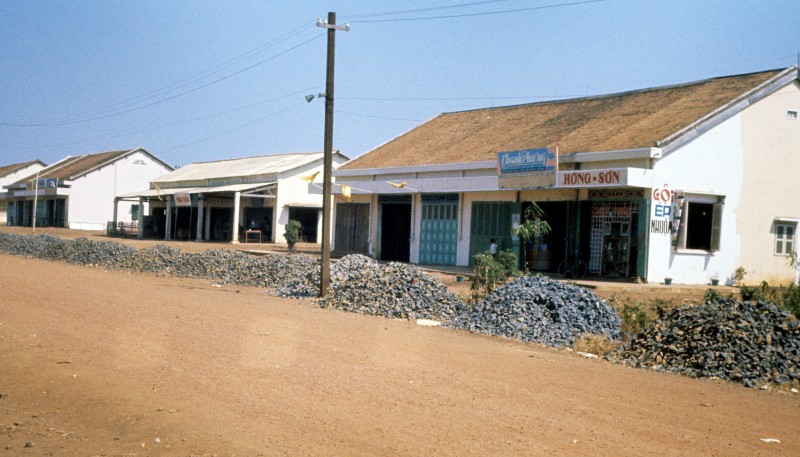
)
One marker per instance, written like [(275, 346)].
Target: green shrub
[(292, 232), (712, 295), (509, 262), (634, 320), (749, 293), (487, 273)]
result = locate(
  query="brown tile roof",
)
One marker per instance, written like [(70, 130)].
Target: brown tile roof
[(8, 169), (628, 120), (73, 167)]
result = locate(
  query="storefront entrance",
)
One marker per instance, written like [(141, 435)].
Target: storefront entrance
[(438, 229), (395, 228), (352, 228)]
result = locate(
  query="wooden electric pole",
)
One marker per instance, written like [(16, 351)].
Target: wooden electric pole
[(327, 171)]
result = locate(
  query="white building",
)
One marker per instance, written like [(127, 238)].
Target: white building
[(688, 182), (247, 199), (10, 174), (78, 192)]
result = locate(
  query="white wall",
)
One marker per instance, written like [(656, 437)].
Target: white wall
[(11, 178), (293, 189), (769, 189), (91, 196), (712, 162)]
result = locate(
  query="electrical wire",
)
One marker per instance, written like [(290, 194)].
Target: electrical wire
[(172, 97), (377, 117), (119, 134), (423, 10), (413, 99), (274, 113), (487, 13), (188, 80)]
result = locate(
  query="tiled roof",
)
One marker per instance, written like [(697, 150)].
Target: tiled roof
[(73, 167), (8, 169), (629, 120)]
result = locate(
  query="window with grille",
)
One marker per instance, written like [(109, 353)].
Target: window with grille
[(784, 238)]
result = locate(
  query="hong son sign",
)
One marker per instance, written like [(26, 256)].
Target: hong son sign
[(527, 161), (592, 178)]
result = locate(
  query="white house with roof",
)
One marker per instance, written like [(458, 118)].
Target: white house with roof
[(246, 199), (78, 192), (686, 182), (10, 174)]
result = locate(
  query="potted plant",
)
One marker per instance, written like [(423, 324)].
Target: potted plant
[(667, 280), (715, 279), (292, 234)]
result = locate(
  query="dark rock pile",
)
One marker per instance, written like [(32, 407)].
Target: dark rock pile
[(361, 285), (222, 265), (744, 342), (540, 310)]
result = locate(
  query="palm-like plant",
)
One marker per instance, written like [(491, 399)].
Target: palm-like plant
[(532, 226)]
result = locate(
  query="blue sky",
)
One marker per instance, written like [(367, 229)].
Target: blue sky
[(206, 80)]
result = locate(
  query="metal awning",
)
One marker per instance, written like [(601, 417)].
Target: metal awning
[(155, 193)]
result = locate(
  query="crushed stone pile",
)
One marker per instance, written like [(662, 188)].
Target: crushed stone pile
[(750, 343), (221, 265), (360, 284), (540, 310)]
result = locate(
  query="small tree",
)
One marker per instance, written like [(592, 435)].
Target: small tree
[(532, 226), (292, 234)]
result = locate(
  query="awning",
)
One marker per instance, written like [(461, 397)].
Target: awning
[(155, 193)]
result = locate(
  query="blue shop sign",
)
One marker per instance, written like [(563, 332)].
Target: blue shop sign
[(528, 160)]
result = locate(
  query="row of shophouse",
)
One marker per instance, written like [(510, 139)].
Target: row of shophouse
[(689, 182)]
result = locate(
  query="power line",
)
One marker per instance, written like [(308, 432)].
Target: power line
[(171, 124), (195, 77), (117, 113), (422, 10), (487, 13), (235, 128), (413, 99), (378, 117)]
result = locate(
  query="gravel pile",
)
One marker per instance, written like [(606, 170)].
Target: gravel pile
[(221, 265), (359, 284), (540, 310), (744, 342)]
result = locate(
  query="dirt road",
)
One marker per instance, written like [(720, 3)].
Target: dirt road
[(96, 362)]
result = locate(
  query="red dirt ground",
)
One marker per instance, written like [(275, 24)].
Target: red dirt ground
[(96, 362)]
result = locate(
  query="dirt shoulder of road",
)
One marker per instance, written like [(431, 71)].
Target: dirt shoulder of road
[(111, 363)]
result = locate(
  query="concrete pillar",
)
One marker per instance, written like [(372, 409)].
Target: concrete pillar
[(237, 196), (200, 224), (168, 231), (140, 223), (116, 204)]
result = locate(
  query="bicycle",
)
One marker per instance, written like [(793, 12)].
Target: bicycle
[(576, 269)]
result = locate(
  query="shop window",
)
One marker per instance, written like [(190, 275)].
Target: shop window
[(784, 238), (700, 225)]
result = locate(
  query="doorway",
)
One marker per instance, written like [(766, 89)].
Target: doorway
[(395, 231)]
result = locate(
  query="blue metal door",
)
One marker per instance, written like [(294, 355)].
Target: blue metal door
[(438, 230)]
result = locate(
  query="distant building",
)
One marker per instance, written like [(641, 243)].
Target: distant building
[(78, 192), (688, 182), (245, 199), (10, 174)]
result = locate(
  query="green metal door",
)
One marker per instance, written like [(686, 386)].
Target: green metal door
[(491, 220), (438, 230)]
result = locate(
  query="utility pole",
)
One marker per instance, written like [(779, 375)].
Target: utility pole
[(35, 201), (327, 167)]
